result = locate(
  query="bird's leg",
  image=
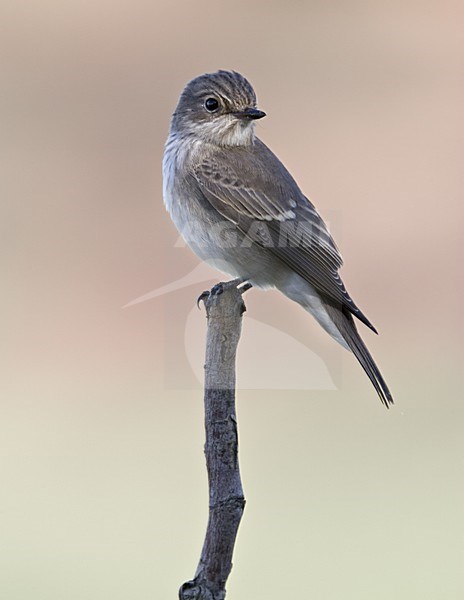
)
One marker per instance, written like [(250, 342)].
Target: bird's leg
[(241, 283)]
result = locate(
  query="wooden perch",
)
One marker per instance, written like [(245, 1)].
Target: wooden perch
[(224, 309)]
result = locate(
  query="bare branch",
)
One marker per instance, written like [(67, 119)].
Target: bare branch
[(224, 309)]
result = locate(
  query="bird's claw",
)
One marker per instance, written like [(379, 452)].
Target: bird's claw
[(202, 297), (245, 287)]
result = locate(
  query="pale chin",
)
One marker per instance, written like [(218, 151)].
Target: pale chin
[(228, 132)]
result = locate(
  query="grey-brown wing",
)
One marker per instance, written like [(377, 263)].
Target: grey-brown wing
[(249, 185)]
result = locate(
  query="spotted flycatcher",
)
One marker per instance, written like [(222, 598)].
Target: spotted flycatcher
[(239, 209)]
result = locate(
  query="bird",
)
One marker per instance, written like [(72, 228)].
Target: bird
[(241, 211)]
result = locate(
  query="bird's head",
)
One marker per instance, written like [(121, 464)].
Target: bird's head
[(218, 108)]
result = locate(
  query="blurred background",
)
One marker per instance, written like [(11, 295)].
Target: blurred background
[(103, 480)]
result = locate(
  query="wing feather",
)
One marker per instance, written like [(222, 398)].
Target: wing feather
[(248, 184)]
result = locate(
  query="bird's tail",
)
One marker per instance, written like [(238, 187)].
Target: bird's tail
[(344, 322)]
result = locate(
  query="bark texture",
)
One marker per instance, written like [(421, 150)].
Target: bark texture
[(224, 309)]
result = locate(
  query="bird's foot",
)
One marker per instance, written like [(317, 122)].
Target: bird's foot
[(241, 283)]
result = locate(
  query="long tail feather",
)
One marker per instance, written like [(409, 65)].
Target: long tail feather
[(345, 324)]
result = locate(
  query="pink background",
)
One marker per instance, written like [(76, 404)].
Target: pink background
[(103, 480)]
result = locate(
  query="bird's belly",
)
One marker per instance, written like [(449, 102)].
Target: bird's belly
[(219, 243)]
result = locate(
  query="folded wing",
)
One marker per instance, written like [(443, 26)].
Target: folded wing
[(248, 186)]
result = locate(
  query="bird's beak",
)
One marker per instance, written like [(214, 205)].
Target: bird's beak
[(250, 113)]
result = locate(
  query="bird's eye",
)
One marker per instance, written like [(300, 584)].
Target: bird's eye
[(211, 104)]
